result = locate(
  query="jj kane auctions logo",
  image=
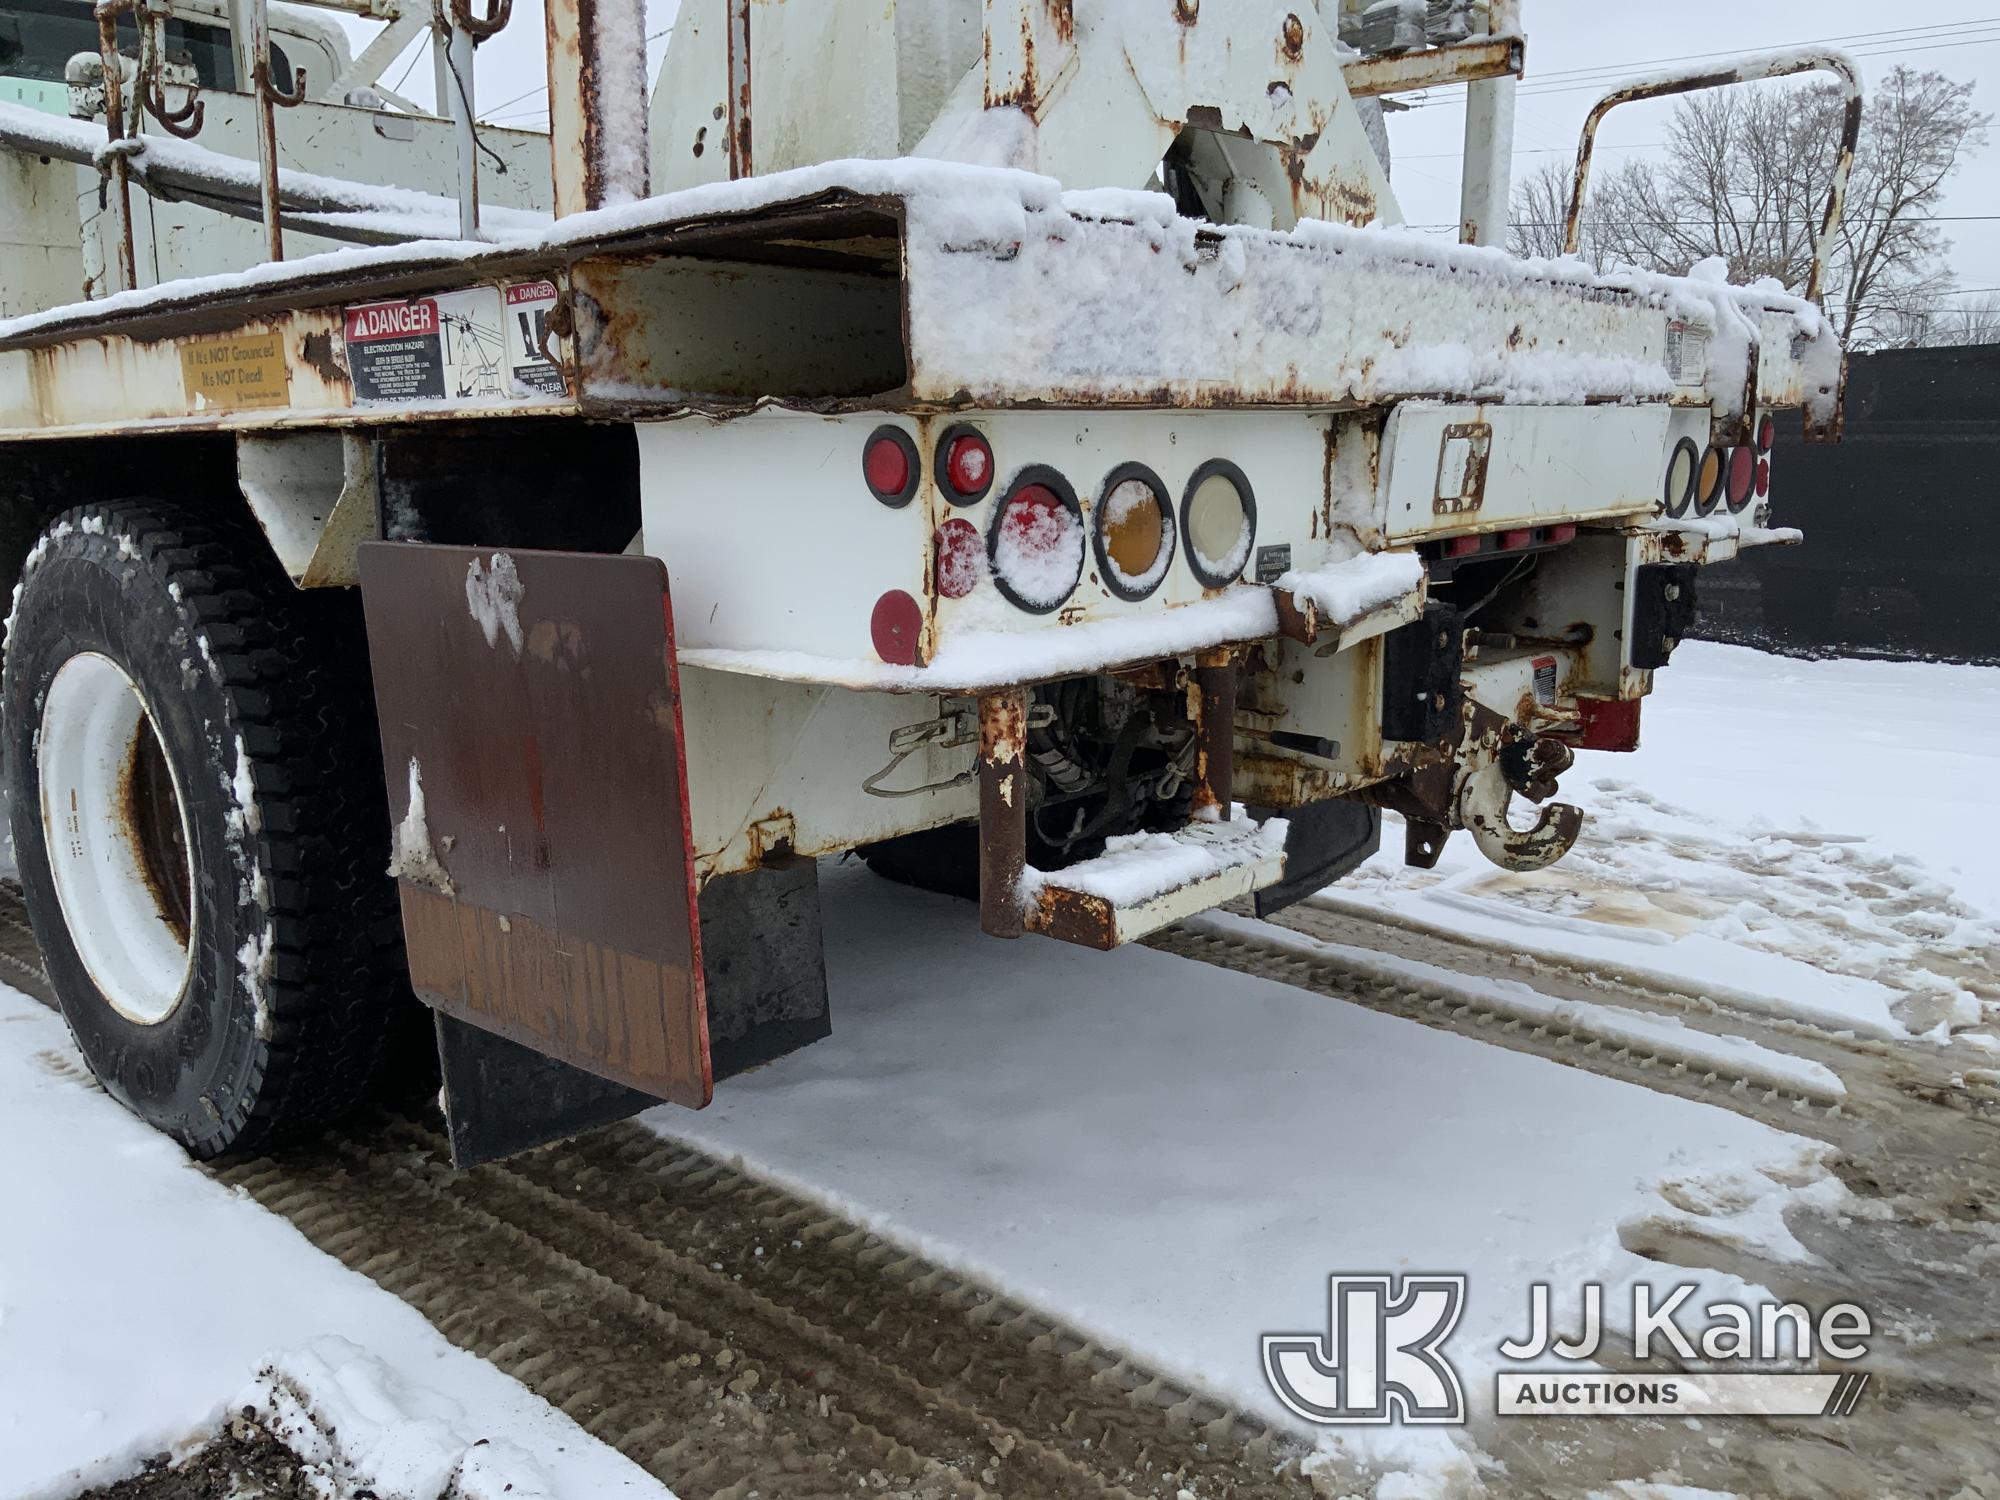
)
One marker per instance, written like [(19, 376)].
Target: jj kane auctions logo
[(1381, 1357)]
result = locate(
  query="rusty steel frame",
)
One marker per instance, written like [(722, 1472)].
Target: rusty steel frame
[(1473, 61), (119, 169), (1756, 68), (742, 163), (1003, 810), (1213, 708)]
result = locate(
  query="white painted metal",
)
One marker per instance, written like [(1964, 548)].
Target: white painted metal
[(1486, 189), (775, 544), (314, 494), (1544, 463), (1486, 192), (461, 105), (91, 723)]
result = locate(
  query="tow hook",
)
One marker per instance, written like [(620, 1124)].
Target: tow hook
[(1528, 764)]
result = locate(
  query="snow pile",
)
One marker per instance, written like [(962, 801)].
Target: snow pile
[(1343, 592), (1016, 292), (412, 856), (334, 206), (1136, 867), (357, 1426), (971, 659), (493, 595), (120, 1340)]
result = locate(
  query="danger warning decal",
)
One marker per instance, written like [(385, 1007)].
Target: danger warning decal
[(448, 347), (529, 304)]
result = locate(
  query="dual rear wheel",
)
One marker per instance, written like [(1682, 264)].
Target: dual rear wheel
[(199, 823)]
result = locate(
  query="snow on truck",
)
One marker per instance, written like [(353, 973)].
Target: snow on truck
[(1012, 441)]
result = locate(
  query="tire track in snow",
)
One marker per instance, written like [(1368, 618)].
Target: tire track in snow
[(600, 1272)]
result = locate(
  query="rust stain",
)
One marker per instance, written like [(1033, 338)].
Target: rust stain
[(316, 353)]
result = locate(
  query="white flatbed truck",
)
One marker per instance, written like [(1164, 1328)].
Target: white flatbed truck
[(1046, 471)]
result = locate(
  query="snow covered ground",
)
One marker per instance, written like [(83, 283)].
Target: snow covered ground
[(1811, 839), (1173, 1155), (140, 1301), (1177, 1157)]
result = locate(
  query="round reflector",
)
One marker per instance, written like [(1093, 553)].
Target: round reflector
[(964, 465), (1763, 477), (1682, 470), (1219, 520), (889, 464), (1134, 535), (1708, 484), (1767, 433), (1036, 544), (897, 625), (1742, 476), (961, 560)]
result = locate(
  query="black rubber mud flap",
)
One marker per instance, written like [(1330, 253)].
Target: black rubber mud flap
[(1325, 840), (500, 1097), (531, 733), (765, 977), (764, 957)]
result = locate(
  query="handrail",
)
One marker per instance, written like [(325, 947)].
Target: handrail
[(1748, 69)]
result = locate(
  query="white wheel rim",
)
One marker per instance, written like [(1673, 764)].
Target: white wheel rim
[(112, 863)]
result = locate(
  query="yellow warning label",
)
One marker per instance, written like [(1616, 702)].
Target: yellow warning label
[(231, 374)]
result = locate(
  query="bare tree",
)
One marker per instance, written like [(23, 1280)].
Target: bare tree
[(1953, 325), (1745, 175)]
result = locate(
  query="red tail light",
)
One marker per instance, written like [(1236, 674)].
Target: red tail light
[(965, 465), (1036, 544), (1514, 541), (896, 627), (1763, 477), (960, 558), (1767, 434), (1742, 476), (889, 464)]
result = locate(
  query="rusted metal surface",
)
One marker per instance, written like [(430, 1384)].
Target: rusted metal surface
[(482, 27), (1212, 707), (1462, 62), (598, 117), (1750, 69), (1003, 809), (1028, 46), (114, 124), (1242, 864), (271, 96), (742, 157), (531, 736)]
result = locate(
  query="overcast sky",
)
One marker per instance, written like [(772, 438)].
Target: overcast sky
[(1960, 38)]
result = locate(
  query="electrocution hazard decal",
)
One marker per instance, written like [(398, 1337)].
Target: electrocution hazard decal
[(447, 347)]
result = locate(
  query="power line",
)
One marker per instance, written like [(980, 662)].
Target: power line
[(1901, 33), (1920, 39)]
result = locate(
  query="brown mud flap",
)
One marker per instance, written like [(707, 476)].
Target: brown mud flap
[(531, 734)]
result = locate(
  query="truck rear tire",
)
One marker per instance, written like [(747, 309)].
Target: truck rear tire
[(200, 824)]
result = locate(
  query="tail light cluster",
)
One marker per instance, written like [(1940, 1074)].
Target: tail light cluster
[(1037, 538), (1700, 479)]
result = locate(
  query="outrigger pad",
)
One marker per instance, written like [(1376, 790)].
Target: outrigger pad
[(531, 734)]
